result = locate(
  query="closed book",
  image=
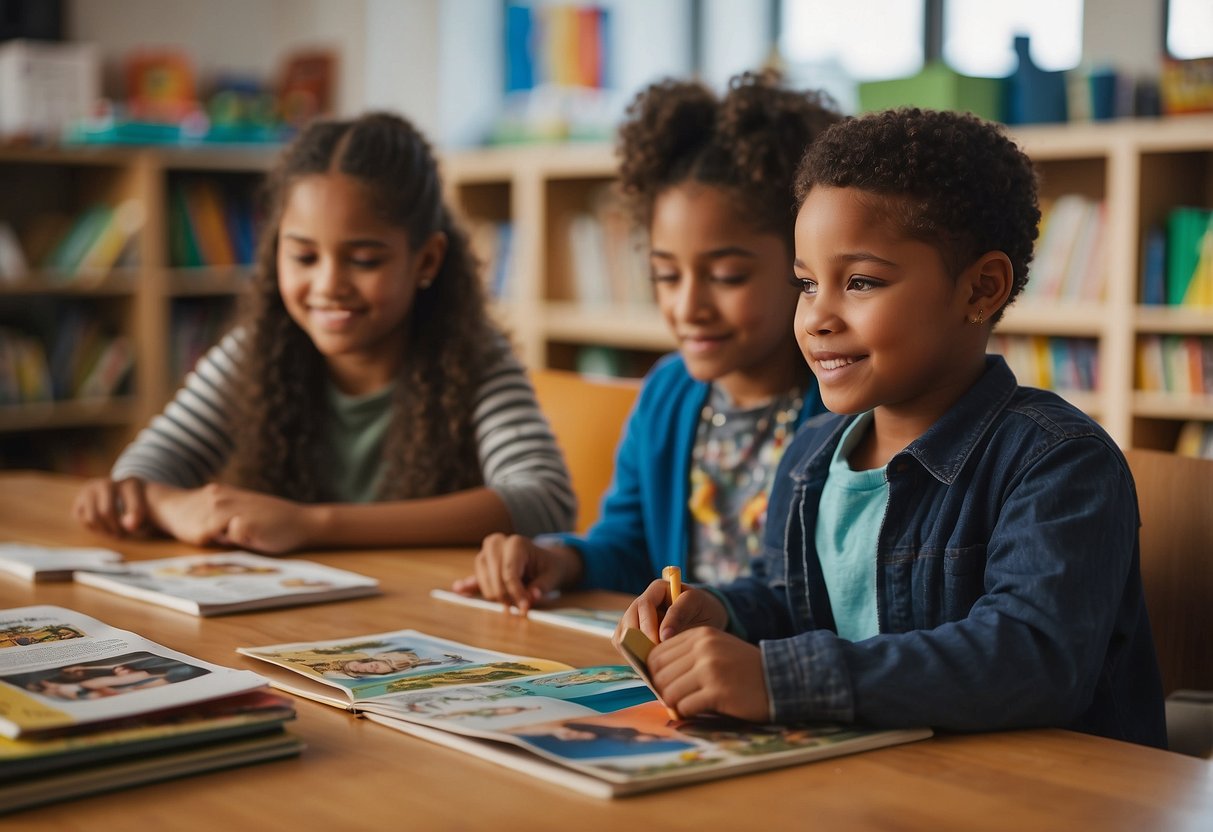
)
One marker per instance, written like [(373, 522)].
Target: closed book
[(230, 582)]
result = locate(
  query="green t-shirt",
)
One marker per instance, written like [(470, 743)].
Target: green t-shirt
[(359, 425)]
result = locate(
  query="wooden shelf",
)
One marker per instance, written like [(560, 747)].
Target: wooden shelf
[(1177, 320), (1172, 406), (1037, 318), (1138, 168), (82, 413), (116, 282), (628, 327), (207, 282)]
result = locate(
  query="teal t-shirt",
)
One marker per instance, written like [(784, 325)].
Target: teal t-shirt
[(849, 515), (359, 425)]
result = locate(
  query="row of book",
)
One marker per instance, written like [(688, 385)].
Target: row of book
[(1051, 363), (1195, 439), (210, 224), (86, 246), (563, 45), (1070, 262), (196, 326), (608, 254), (1179, 364), (83, 362), (493, 244), (1177, 260)]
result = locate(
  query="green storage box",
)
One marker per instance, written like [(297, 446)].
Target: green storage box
[(937, 87)]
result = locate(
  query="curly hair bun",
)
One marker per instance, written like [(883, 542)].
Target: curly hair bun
[(749, 141)]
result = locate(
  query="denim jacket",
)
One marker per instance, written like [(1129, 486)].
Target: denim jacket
[(1008, 583)]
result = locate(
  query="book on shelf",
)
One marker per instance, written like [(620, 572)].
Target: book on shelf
[(598, 730), (61, 671), (1190, 256), (25, 375), (13, 264), (52, 563), (229, 582), (596, 622)]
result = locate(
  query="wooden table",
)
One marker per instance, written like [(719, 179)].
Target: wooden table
[(357, 775)]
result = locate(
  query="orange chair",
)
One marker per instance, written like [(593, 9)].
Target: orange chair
[(1175, 495), (587, 415)]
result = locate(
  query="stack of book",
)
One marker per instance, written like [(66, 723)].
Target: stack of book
[(86, 708)]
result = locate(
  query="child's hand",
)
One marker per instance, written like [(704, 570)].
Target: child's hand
[(230, 516), (704, 670), (116, 508), (653, 615), (514, 570)]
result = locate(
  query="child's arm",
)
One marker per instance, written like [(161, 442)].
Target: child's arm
[(235, 517)]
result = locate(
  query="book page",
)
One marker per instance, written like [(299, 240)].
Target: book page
[(605, 722), (371, 666), (60, 668)]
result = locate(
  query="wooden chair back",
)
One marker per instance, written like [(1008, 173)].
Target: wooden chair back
[(1175, 494), (587, 416)]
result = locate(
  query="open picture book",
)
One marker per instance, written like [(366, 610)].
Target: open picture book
[(596, 622), (599, 730), (230, 582)]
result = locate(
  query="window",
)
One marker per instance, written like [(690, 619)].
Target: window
[(1190, 29), (979, 36), (867, 39)]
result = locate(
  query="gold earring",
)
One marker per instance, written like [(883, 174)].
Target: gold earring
[(979, 318)]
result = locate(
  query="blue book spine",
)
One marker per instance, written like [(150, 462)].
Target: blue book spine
[(1154, 267), (519, 54)]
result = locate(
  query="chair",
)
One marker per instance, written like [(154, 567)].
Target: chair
[(1175, 495), (587, 416)]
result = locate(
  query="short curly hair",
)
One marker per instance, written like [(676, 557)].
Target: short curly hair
[(948, 179), (748, 142)]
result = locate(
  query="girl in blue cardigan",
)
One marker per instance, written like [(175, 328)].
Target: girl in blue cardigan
[(711, 179)]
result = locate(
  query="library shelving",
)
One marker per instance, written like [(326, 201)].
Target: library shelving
[(134, 303), (1137, 170), (534, 207)]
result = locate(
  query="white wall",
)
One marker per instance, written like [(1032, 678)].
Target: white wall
[(440, 61), (226, 36)]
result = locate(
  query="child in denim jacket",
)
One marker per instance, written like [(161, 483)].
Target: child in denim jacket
[(952, 549)]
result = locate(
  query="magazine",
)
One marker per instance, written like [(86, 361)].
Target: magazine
[(360, 672), (52, 563), (230, 582), (598, 730), (60, 669), (597, 622)]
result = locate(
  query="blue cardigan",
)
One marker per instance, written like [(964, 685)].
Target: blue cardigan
[(644, 523)]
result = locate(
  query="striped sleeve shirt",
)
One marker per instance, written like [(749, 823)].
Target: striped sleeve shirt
[(190, 442)]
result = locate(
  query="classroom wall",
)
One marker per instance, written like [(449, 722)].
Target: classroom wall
[(439, 60)]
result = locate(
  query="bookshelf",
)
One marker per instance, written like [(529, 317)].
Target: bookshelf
[(1138, 169), (134, 301)]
